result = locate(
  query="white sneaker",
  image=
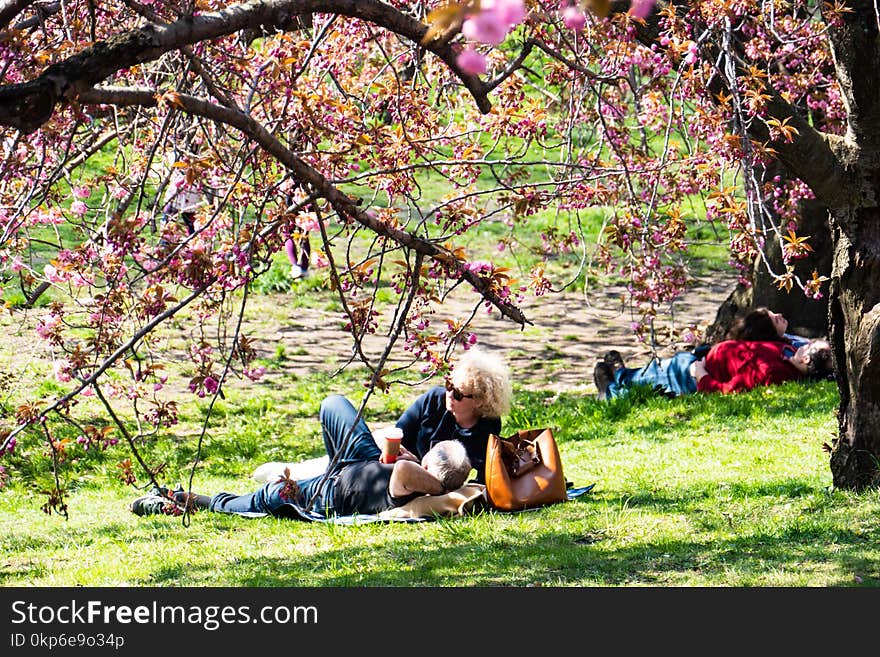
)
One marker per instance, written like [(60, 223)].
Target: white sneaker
[(296, 271)]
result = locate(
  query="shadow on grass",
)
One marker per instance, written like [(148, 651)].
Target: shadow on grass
[(683, 497), (555, 558), (566, 545)]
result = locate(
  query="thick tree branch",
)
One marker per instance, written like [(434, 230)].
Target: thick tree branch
[(28, 105), (816, 158), (346, 207)]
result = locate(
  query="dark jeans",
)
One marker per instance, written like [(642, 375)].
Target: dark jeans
[(670, 375), (337, 416)]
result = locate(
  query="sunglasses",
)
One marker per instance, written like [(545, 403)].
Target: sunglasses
[(457, 394)]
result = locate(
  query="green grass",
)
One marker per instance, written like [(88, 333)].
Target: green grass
[(707, 490)]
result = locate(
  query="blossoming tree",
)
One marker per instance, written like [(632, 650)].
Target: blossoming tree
[(344, 105)]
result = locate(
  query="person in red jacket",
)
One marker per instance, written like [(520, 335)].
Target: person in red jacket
[(735, 365), (729, 366)]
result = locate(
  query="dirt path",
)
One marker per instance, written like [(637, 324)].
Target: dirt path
[(569, 333)]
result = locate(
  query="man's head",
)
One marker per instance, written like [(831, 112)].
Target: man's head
[(814, 360), (449, 462)]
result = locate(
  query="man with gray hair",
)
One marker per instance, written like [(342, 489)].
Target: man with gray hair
[(449, 463), (356, 482)]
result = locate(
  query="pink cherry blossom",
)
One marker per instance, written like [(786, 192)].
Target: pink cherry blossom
[(509, 12), (255, 373), (82, 192), (62, 370), (78, 207), (308, 221), (53, 275), (46, 326), (573, 18), (641, 8), (485, 27), (470, 61)]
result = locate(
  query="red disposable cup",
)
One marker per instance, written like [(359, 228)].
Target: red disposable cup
[(390, 449)]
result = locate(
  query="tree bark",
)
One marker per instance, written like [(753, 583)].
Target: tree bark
[(807, 317), (855, 280), (855, 336)]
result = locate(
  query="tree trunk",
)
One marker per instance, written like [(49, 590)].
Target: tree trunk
[(806, 317), (855, 335)]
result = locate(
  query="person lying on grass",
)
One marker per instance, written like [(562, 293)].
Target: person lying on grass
[(729, 366), (763, 325), (355, 483)]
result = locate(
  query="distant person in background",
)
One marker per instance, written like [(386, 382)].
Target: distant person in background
[(298, 247), (729, 366), (299, 253), (182, 199)]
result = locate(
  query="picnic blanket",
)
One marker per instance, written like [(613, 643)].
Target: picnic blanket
[(462, 501), (468, 499)]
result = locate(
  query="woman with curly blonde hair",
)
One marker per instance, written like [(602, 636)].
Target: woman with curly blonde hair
[(487, 375), (467, 408)]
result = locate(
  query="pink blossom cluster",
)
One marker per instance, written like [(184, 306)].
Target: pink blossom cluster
[(162, 413), (254, 373), (573, 17), (489, 26), (50, 327)]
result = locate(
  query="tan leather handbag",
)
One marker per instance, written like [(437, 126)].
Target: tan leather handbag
[(524, 471)]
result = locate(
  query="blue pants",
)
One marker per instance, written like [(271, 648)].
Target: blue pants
[(670, 375), (337, 416)]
